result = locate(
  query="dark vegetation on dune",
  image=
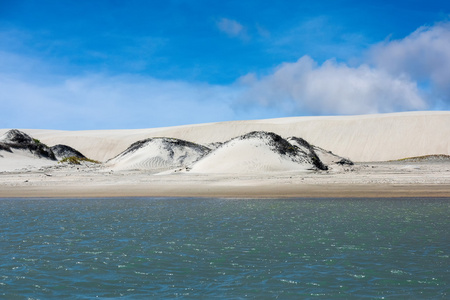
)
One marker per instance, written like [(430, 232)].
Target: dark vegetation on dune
[(284, 147), (432, 158), (295, 148), (345, 161), (213, 145), (64, 151), (75, 160), (5, 147), (311, 153), (276, 142), (16, 139), (168, 143), (15, 136)]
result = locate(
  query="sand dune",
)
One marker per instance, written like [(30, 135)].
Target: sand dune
[(63, 151), (254, 152), (361, 138), (255, 165), (22, 160), (15, 139), (321, 158), (157, 154), (20, 151)]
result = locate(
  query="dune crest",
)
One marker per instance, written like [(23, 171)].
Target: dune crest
[(64, 151), (363, 138), (14, 140), (18, 151), (321, 158), (158, 154), (257, 151)]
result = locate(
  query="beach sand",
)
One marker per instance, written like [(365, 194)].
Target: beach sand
[(424, 179)]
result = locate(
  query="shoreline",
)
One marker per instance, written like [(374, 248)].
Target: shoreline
[(247, 192), (369, 180)]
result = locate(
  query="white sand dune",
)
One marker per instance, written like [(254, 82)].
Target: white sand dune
[(254, 152), (22, 160), (63, 151), (327, 158), (378, 137), (18, 151), (242, 167), (157, 154)]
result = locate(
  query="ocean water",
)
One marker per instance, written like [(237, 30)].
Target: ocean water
[(137, 248)]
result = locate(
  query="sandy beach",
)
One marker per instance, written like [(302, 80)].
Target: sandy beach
[(375, 143), (362, 180)]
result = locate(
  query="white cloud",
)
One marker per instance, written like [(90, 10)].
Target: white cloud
[(412, 73), (424, 56), (331, 88), (232, 28)]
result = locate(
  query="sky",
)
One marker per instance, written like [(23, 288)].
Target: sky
[(110, 64)]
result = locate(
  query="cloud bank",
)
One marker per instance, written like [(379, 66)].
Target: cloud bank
[(332, 88), (412, 73), (424, 56)]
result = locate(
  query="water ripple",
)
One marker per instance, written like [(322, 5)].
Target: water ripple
[(200, 248)]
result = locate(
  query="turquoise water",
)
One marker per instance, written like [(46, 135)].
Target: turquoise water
[(216, 248)]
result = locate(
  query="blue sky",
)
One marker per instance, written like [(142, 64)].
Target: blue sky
[(77, 65)]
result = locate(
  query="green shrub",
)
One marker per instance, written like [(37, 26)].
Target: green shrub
[(39, 143), (424, 157), (74, 160)]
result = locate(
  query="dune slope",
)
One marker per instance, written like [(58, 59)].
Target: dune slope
[(158, 154), (255, 152), (378, 137), (18, 151)]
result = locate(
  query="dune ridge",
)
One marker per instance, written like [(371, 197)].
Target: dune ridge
[(364, 138), (257, 151), (254, 152), (20, 151), (158, 154), (64, 151), (221, 162), (17, 141)]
